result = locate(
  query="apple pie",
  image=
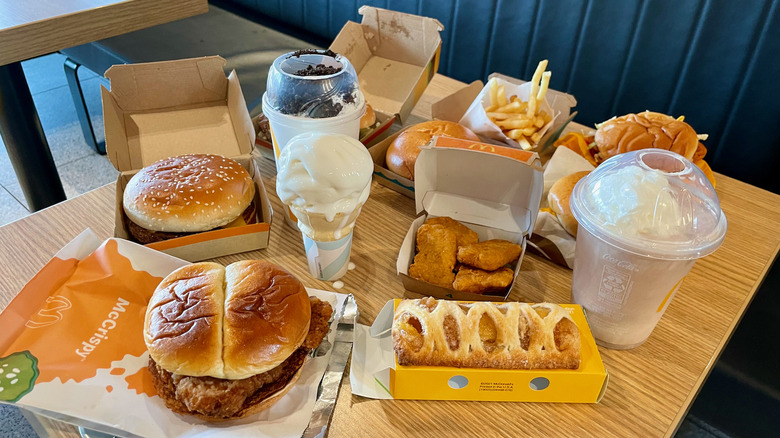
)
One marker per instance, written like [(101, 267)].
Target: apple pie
[(509, 335)]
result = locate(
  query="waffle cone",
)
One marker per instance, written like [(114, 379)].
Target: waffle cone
[(318, 228)]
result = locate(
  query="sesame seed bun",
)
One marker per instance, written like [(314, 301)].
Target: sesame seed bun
[(188, 193)]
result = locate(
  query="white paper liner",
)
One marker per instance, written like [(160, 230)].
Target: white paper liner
[(88, 403), (557, 104)]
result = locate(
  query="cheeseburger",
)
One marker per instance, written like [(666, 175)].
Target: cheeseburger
[(644, 130), (227, 342), (187, 194)]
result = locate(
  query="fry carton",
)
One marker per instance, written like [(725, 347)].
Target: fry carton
[(557, 105), (73, 348)]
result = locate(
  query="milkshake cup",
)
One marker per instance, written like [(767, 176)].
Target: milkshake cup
[(311, 91), (644, 217), (324, 180)]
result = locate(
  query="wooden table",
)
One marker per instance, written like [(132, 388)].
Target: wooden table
[(650, 388), (33, 28)]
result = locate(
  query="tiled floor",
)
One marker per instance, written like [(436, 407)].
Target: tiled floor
[(81, 169)]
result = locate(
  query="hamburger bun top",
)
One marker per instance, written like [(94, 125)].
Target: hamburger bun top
[(230, 323), (369, 118), (558, 200), (402, 153), (645, 130), (188, 193)]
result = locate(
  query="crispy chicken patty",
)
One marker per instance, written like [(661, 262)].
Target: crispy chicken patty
[(224, 399)]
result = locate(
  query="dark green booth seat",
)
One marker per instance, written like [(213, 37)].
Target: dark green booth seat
[(716, 62)]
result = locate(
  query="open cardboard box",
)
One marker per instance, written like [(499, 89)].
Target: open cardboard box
[(375, 372), (395, 56), (497, 196), (163, 109), (452, 108)]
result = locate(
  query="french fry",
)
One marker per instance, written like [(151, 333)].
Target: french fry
[(501, 99), (519, 120), (543, 87), (515, 123)]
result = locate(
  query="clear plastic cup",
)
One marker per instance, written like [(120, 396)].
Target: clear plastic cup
[(644, 217), (295, 103)]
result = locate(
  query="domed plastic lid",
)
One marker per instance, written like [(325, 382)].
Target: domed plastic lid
[(313, 84), (651, 202)]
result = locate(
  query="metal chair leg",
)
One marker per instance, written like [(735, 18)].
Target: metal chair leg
[(71, 73)]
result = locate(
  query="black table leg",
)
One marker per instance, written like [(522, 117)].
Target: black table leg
[(25, 142)]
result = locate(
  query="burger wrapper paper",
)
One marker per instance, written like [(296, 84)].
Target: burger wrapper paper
[(550, 239), (72, 348), (555, 103)]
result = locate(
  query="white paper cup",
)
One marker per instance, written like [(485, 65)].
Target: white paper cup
[(328, 261), (645, 217)]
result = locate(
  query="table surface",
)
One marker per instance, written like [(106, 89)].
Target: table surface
[(37, 27), (650, 388)]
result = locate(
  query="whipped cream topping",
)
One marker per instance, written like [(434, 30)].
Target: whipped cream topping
[(324, 174)]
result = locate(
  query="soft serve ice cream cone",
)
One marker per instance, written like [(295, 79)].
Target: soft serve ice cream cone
[(325, 179)]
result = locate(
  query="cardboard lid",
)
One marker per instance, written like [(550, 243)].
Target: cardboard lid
[(162, 109), (394, 53), (399, 36), (453, 107), (495, 186)]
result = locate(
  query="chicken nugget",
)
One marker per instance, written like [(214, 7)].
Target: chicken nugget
[(435, 259), (490, 254), (463, 234), (479, 281)]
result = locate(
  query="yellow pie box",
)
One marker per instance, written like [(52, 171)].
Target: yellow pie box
[(586, 384), (189, 106)]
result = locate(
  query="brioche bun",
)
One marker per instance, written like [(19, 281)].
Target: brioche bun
[(402, 153), (238, 321), (244, 323), (645, 130), (187, 193), (558, 200)]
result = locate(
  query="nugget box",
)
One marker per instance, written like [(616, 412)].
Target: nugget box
[(163, 109), (493, 190), (375, 372)]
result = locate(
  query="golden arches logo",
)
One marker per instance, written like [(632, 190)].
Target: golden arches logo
[(50, 313), (482, 147)]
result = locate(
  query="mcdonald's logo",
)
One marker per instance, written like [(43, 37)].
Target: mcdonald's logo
[(482, 147), (50, 313)]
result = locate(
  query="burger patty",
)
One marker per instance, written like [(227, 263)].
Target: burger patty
[(144, 236), (222, 398)]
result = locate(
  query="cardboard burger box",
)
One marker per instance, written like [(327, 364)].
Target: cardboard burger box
[(375, 372), (452, 108), (163, 109), (395, 56), (494, 190)]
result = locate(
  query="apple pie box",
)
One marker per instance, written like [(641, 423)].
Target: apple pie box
[(375, 372), (163, 109), (493, 190), (452, 108)]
